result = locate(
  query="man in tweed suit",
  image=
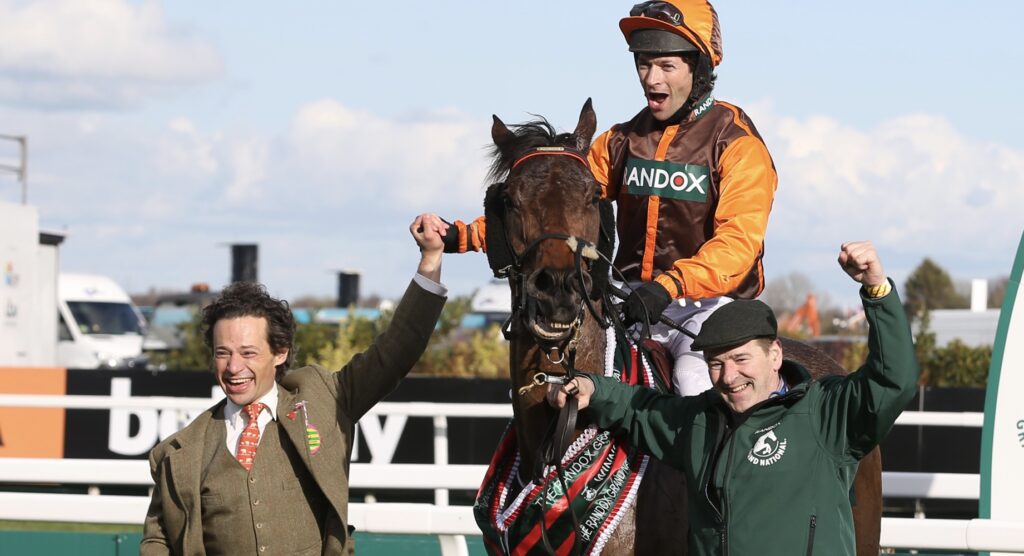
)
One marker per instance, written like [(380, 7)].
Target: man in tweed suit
[(266, 470)]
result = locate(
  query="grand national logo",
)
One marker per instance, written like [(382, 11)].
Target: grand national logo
[(687, 182), (768, 448)]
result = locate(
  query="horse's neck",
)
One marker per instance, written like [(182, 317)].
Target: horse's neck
[(533, 417)]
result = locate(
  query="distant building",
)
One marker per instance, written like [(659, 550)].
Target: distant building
[(491, 304), (975, 326)]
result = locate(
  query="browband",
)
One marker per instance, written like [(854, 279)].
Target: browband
[(561, 151)]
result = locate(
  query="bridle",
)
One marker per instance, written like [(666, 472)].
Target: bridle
[(506, 262)]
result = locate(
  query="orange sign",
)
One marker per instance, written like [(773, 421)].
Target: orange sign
[(32, 432)]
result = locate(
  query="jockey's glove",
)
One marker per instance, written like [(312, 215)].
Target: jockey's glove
[(451, 238), (646, 303)]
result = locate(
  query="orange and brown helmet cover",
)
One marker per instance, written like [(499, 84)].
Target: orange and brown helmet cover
[(694, 20)]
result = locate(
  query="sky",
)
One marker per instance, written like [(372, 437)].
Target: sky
[(161, 132)]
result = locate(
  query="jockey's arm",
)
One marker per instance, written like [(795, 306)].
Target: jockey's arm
[(462, 237)]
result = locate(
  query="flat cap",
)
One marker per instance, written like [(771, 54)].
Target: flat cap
[(735, 323)]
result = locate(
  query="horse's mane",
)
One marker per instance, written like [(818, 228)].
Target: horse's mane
[(529, 135)]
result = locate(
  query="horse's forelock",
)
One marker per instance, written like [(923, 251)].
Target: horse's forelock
[(528, 136)]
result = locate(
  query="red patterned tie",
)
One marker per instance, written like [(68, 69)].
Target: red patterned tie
[(250, 436)]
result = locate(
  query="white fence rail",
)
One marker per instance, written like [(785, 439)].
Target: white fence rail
[(439, 518), (411, 409), (94, 472)]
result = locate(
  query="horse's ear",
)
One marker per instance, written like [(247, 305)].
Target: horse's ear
[(501, 134), (586, 127)]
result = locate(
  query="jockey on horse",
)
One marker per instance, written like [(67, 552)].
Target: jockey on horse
[(693, 182)]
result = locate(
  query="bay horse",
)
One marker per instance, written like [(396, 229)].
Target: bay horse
[(550, 233)]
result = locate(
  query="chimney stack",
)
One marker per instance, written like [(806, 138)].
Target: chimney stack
[(348, 288), (244, 262)]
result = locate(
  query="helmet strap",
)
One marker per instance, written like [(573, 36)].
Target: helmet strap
[(703, 81)]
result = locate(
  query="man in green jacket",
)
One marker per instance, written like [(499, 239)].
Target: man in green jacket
[(769, 457)]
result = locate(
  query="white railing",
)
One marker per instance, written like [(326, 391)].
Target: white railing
[(96, 472), (411, 409), (439, 518)]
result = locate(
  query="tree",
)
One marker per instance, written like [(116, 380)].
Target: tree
[(352, 336), (788, 292), (997, 291), (954, 365), (452, 312), (466, 354), (452, 351), (192, 355), (311, 339), (958, 364), (928, 287)]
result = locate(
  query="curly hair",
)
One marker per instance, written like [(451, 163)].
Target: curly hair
[(248, 299)]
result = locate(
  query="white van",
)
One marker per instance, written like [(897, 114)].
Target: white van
[(99, 325)]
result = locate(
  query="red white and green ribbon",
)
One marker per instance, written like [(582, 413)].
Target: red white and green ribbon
[(602, 473)]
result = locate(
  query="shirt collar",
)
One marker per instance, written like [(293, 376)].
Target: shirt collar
[(783, 388), (232, 411)]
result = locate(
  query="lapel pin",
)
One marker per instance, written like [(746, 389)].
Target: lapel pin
[(312, 433)]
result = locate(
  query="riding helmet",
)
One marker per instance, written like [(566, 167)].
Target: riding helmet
[(661, 27)]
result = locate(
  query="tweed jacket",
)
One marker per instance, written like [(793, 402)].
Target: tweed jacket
[(333, 401)]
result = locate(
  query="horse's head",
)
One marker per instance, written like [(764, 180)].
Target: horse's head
[(544, 223)]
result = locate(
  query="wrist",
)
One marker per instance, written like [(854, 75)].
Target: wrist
[(672, 286), (583, 378), (452, 236), (658, 290), (878, 291), (430, 264)]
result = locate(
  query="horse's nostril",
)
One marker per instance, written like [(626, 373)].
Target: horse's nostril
[(544, 281)]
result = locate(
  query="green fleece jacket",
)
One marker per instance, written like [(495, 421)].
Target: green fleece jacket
[(775, 480)]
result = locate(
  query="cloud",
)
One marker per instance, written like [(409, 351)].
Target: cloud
[(184, 150), (913, 184), (95, 54), (336, 187), (436, 159), (249, 168)]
